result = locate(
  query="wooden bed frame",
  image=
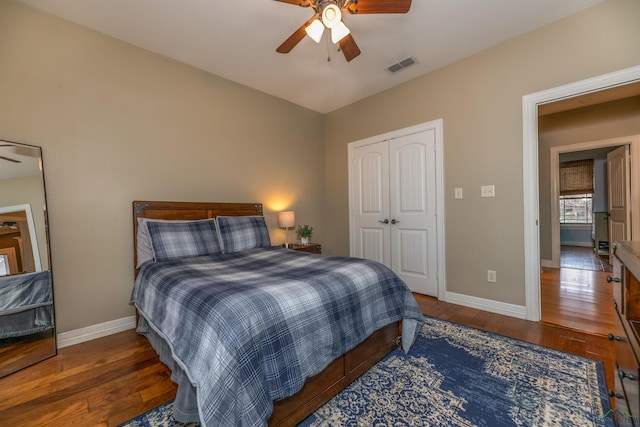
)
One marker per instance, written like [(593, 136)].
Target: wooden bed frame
[(318, 389)]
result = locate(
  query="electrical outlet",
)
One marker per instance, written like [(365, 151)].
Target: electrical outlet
[(491, 276), (488, 191)]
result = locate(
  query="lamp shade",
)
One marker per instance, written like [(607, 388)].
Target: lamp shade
[(286, 219), (339, 32), (315, 30)]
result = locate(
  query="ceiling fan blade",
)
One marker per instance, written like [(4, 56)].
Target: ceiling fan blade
[(10, 160), (378, 6), (303, 3), (294, 38), (349, 47), (22, 150)]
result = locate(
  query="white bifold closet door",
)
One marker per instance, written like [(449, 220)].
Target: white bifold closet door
[(394, 207)]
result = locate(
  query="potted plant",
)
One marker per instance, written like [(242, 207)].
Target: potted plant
[(304, 232)]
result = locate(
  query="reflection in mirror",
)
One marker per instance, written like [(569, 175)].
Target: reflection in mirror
[(18, 242), (27, 327)]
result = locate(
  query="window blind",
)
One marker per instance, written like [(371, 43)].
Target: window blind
[(576, 177)]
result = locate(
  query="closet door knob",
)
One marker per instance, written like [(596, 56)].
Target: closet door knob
[(386, 221), (393, 221)]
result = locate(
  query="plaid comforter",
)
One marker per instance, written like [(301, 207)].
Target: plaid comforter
[(248, 328)]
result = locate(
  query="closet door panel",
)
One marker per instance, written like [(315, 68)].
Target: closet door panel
[(370, 184), (413, 210)]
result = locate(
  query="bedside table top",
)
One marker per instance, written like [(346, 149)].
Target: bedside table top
[(311, 247), (299, 245)]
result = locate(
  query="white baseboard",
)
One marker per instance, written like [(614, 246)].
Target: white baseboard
[(77, 336), (512, 310), (546, 263), (581, 244)]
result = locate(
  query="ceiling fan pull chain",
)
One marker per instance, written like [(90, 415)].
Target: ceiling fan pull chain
[(328, 49)]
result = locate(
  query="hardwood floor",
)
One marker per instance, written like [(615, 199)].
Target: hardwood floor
[(583, 258), (577, 295), (577, 299), (107, 381), (103, 382)]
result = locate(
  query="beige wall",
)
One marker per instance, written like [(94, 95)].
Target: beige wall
[(480, 101), (604, 121), (118, 123)]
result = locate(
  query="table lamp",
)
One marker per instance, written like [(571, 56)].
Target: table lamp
[(286, 220)]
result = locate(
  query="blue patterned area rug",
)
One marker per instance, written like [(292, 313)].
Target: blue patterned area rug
[(459, 376)]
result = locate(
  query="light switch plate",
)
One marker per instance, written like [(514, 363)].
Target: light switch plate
[(458, 193), (491, 276), (488, 191)]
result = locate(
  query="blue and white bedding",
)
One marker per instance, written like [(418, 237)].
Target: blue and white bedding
[(248, 328), (26, 304)]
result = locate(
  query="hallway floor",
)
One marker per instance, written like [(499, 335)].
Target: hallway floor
[(583, 258)]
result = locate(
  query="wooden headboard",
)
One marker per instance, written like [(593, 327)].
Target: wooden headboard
[(186, 211)]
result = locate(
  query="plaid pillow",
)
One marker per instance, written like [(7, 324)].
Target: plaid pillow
[(241, 233), (172, 240)]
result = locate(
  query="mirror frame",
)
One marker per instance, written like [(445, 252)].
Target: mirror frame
[(27, 350)]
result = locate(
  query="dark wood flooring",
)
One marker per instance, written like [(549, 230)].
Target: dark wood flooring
[(110, 380)]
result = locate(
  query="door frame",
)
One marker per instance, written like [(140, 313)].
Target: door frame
[(634, 154), (437, 126), (26, 208), (530, 170)]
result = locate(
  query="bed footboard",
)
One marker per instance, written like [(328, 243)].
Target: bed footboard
[(339, 374)]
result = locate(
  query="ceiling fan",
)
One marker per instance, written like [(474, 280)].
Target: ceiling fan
[(22, 151), (328, 14)]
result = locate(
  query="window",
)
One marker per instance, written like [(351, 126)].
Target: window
[(576, 192), (576, 209)]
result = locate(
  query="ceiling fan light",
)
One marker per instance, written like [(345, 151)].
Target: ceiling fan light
[(339, 32), (315, 30), (331, 16)]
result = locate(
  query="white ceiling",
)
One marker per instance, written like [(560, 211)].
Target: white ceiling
[(236, 39), (26, 160)]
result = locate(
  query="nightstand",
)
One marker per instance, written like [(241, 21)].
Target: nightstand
[(314, 248)]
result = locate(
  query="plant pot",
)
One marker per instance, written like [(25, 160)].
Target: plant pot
[(304, 241)]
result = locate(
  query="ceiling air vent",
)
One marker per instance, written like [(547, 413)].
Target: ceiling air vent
[(401, 65)]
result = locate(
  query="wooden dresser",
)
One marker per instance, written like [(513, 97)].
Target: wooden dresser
[(626, 295)]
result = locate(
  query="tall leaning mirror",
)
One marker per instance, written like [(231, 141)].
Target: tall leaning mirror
[(27, 326)]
